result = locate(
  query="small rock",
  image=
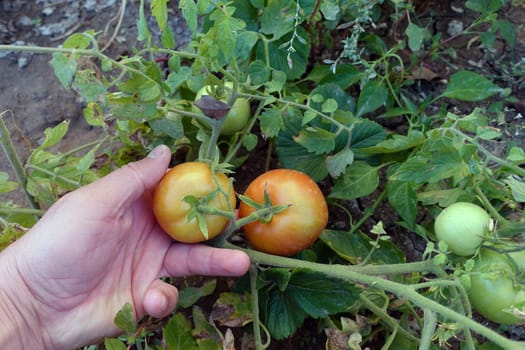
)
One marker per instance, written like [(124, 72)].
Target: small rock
[(455, 27), (24, 21), (23, 61)]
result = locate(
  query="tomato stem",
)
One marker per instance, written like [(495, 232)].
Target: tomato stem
[(359, 275)]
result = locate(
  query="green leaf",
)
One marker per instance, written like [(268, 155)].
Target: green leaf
[(232, 310), (438, 159), (125, 319), (359, 180), (54, 135), (114, 344), (415, 36), (483, 6), (189, 12), (172, 127), (469, 86), (142, 25), (441, 197), (258, 72), (246, 42), (271, 122), (277, 18), (86, 161), (93, 114), (402, 196), (89, 86), (178, 335), (330, 9), (517, 187), (176, 79), (294, 156), (516, 155), (397, 143), (159, 10), (189, 295), (284, 314), (373, 95), (279, 57), (5, 185), (65, 68), (319, 295), (332, 92), (167, 39), (355, 247), (206, 334), (316, 140), (336, 164)]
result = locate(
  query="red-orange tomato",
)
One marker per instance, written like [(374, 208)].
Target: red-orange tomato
[(191, 179), (298, 226)]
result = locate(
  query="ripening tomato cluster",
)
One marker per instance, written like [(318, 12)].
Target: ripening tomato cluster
[(288, 232), (494, 286)]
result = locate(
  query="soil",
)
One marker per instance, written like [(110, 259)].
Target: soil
[(32, 99)]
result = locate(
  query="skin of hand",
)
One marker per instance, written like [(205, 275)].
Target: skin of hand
[(96, 249)]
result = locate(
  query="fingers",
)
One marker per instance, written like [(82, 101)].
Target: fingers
[(197, 259), (123, 186), (160, 299)]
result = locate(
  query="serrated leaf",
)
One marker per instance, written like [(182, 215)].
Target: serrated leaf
[(125, 319), (143, 33), (402, 197), (177, 334), (359, 180), (319, 295), (316, 140), (516, 155), (373, 95), (189, 295), (284, 315), (517, 187), (86, 161), (65, 68), (5, 184), (294, 156), (271, 122), (355, 247), (329, 106), (159, 10), (189, 12), (336, 164), (232, 310), (167, 38), (415, 36), (114, 344), (397, 143), (439, 159), (469, 86), (89, 86), (93, 114), (54, 135), (258, 72)]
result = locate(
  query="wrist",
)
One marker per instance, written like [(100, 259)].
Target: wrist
[(21, 328)]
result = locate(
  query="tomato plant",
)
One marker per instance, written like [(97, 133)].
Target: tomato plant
[(172, 201), (493, 289), (239, 112), (298, 226), (462, 226)]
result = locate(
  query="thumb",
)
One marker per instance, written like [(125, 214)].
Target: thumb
[(160, 299), (125, 185)]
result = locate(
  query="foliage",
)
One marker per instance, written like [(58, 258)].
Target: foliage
[(325, 116)]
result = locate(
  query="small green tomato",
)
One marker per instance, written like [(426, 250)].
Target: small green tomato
[(462, 227)]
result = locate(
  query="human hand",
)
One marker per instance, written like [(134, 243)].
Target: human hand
[(96, 249)]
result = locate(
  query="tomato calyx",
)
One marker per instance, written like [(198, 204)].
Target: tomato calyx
[(263, 212)]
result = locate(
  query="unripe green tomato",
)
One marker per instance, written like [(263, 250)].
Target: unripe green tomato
[(492, 288), (462, 226), (239, 113)]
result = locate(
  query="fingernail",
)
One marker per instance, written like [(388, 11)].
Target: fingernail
[(157, 151)]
